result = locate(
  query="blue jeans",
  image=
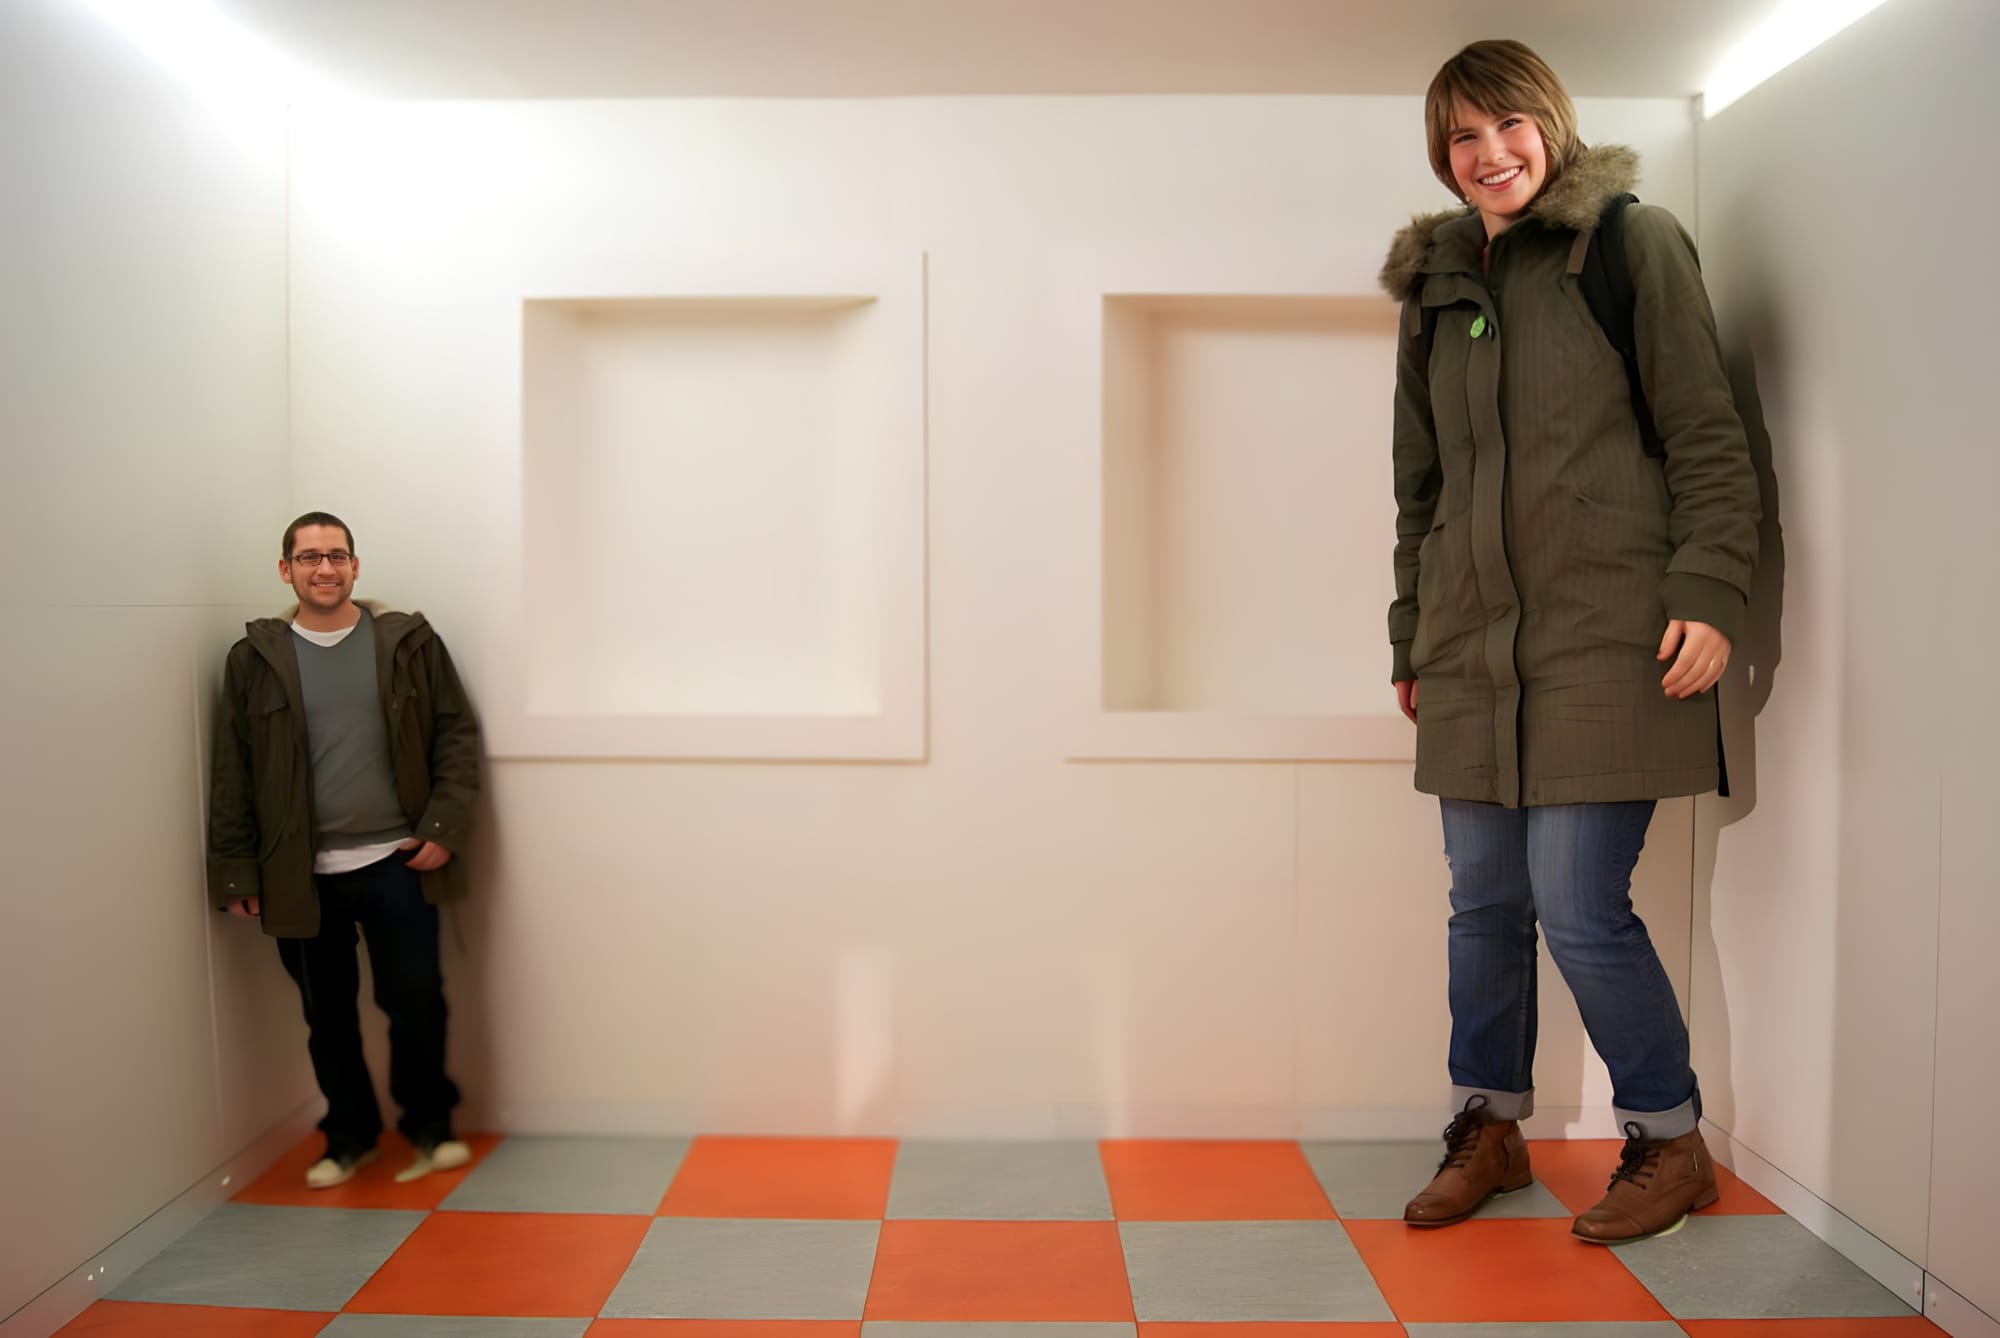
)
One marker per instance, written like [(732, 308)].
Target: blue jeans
[(1570, 867), (386, 900)]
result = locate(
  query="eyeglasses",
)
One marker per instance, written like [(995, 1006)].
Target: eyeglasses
[(309, 559)]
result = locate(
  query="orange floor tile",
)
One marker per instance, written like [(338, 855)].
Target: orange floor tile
[(1493, 1271), (1275, 1329), (1021, 1271), (131, 1319), (1578, 1171), (724, 1328), (1915, 1326), (1174, 1181), (373, 1186), (803, 1178), (526, 1264)]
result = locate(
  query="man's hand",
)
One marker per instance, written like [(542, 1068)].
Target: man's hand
[(249, 908), (430, 855), (1704, 654), (1406, 697)]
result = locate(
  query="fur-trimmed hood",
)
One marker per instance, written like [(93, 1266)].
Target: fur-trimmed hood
[(1575, 202)]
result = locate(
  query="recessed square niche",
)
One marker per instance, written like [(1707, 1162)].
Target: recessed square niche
[(721, 527), (1247, 525)]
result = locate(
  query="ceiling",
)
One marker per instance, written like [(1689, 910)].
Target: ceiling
[(892, 48)]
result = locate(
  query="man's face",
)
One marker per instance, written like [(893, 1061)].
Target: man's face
[(327, 584)]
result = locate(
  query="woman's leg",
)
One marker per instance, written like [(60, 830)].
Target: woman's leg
[(1492, 957), (1580, 859)]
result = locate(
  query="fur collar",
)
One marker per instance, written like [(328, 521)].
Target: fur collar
[(1574, 202)]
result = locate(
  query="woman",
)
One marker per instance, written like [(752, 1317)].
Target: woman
[(1565, 600)]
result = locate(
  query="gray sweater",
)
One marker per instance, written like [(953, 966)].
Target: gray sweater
[(354, 786)]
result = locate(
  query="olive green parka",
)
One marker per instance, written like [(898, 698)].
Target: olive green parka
[(261, 835), (1540, 552)]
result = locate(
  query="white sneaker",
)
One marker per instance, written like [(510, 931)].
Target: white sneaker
[(338, 1170), (446, 1156)]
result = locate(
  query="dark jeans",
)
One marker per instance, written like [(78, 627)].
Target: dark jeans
[(386, 900), (1568, 866)]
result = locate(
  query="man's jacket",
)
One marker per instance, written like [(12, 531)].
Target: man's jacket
[(261, 834)]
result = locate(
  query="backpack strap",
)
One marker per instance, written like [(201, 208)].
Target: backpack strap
[(1606, 280)]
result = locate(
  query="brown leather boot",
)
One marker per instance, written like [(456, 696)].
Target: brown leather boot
[(1658, 1182), (1482, 1157)]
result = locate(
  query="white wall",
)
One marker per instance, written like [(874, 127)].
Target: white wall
[(995, 940), (1844, 1002), (142, 411)]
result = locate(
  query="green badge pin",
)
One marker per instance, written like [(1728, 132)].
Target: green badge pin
[(1479, 325)]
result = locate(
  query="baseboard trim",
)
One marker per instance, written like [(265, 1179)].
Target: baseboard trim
[(1954, 1314), (97, 1276), (1907, 1279)]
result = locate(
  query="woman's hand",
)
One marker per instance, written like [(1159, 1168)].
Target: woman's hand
[(1406, 697), (1704, 654)]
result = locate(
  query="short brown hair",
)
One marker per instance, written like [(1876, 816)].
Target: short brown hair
[(1496, 77), (314, 518)]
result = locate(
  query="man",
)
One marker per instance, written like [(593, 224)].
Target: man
[(346, 764)]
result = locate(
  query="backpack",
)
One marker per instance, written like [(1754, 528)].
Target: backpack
[(1606, 281)]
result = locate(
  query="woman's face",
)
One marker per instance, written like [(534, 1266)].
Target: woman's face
[(1498, 162)]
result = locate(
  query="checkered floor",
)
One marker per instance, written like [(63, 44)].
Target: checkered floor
[(803, 1238)]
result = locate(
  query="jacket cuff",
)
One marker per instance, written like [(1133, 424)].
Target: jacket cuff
[(444, 824), (233, 880), (1402, 672), (1703, 599)]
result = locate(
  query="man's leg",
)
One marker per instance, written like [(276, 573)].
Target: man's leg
[(402, 932), (329, 981)]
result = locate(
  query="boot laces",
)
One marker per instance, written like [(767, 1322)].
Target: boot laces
[(1637, 1160), (1462, 1134)]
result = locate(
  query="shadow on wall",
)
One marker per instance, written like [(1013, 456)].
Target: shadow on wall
[(468, 989), (1751, 339)]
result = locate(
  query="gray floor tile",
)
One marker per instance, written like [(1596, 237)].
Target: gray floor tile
[(711, 1268), (1375, 1180), (902, 1329), (571, 1175), (1219, 1271), (272, 1258), (999, 1182), (1550, 1329), (1754, 1267), (440, 1326)]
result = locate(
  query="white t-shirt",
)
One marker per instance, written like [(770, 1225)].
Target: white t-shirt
[(326, 638)]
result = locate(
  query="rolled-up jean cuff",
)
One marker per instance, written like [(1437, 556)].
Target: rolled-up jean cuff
[(1501, 1105), (1658, 1126)]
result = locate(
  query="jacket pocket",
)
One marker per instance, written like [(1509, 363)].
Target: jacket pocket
[(1445, 596), (1621, 555), (273, 742), (271, 725)]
